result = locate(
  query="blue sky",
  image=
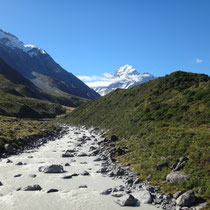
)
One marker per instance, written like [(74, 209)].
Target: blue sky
[(92, 37)]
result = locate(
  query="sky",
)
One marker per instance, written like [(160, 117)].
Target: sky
[(96, 37)]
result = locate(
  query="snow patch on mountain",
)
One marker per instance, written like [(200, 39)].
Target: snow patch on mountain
[(125, 77), (13, 42)]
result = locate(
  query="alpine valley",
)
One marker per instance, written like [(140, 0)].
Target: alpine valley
[(145, 143)]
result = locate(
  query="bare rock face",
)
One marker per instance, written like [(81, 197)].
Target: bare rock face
[(52, 169), (176, 177), (187, 199), (127, 200)]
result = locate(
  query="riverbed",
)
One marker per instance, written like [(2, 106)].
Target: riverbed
[(76, 193)]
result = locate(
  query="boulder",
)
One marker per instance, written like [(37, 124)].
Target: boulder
[(127, 200), (187, 199), (67, 164), (177, 194), (1, 184), (114, 138), (143, 196), (160, 166), (176, 177), (52, 169), (35, 187)]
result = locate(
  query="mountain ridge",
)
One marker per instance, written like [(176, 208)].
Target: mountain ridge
[(30, 60)]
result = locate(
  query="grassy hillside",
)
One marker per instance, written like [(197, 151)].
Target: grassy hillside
[(159, 121)]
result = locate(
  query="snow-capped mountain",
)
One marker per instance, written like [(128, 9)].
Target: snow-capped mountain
[(125, 77), (39, 67), (13, 42)]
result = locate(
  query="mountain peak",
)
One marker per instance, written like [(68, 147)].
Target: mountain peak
[(126, 70), (13, 42), (125, 77)]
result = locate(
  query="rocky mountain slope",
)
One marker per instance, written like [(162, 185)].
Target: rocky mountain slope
[(39, 67), (125, 77), (162, 128), (21, 98)]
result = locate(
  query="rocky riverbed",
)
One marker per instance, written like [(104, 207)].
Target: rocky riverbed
[(74, 172)]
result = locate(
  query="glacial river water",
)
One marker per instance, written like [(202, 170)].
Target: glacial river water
[(69, 195)]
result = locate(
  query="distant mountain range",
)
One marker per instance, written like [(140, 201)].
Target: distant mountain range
[(36, 65), (125, 77)]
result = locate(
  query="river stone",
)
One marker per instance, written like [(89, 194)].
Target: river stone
[(52, 169), (106, 192), (67, 177), (8, 161), (97, 159), (85, 173), (83, 186), (176, 177), (74, 174), (52, 191), (35, 187), (19, 164), (187, 199), (32, 175), (82, 154), (127, 200), (18, 175), (67, 154)]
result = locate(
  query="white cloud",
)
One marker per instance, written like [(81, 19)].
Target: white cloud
[(107, 79), (98, 83), (197, 60), (89, 78), (107, 75)]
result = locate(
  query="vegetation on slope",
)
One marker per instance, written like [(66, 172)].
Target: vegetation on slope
[(13, 131), (159, 121)]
